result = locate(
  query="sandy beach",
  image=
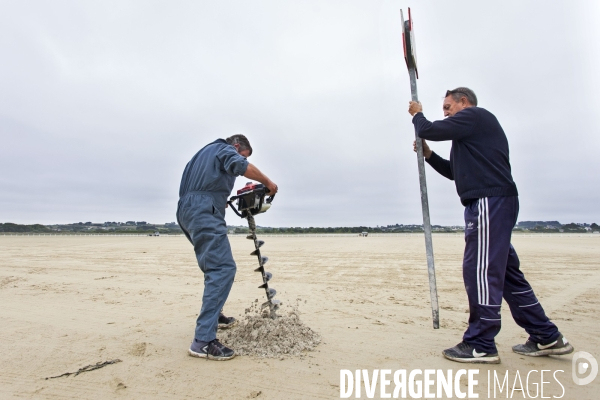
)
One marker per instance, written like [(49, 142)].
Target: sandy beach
[(72, 301)]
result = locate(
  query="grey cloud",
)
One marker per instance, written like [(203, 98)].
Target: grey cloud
[(103, 103)]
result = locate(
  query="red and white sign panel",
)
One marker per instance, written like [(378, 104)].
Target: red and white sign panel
[(408, 42)]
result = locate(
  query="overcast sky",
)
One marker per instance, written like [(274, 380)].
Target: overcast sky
[(102, 104)]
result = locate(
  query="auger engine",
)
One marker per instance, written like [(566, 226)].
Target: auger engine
[(251, 201)]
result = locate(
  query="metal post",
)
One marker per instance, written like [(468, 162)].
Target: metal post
[(410, 56)]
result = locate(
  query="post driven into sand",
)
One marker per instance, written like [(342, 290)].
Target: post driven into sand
[(410, 55)]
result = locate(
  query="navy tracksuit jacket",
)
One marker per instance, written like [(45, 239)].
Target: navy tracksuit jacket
[(479, 164)]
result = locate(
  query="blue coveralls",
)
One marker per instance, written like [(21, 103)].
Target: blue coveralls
[(206, 183)]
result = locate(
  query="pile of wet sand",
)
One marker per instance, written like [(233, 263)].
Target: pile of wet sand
[(256, 334)]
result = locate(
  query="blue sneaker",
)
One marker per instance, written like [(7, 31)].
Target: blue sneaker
[(212, 350), (226, 322)]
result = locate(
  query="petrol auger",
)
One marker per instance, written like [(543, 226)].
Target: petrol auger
[(251, 201)]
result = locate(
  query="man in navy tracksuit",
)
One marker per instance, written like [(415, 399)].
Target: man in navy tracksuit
[(206, 183), (479, 165)]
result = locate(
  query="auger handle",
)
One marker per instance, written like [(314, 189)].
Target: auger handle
[(269, 199), (230, 202)]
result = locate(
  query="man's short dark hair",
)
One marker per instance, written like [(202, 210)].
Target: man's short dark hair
[(461, 92), (241, 140)]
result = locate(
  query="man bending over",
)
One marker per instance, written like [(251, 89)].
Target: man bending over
[(206, 183)]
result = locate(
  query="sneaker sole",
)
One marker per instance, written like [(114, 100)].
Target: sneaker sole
[(221, 358), (194, 354), (210, 357), (227, 326), (481, 360), (568, 349)]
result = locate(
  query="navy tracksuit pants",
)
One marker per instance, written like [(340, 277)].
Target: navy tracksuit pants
[(491, 272)]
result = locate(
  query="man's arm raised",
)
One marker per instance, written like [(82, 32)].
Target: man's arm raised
[(252, 172)]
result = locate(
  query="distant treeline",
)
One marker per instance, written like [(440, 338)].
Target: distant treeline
[(354, 229), (346, 229), (106, 228), (555, 226), (173, 228), (36, 228)]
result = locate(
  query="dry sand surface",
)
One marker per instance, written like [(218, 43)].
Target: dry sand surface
[(68, 302)]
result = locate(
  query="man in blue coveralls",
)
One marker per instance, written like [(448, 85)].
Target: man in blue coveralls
[(480, 167), (206, 183)]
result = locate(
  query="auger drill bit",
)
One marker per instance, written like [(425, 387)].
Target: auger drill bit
[(251, 201), (266, 276)]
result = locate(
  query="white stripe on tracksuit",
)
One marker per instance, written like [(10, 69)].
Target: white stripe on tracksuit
[(483, 247)]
